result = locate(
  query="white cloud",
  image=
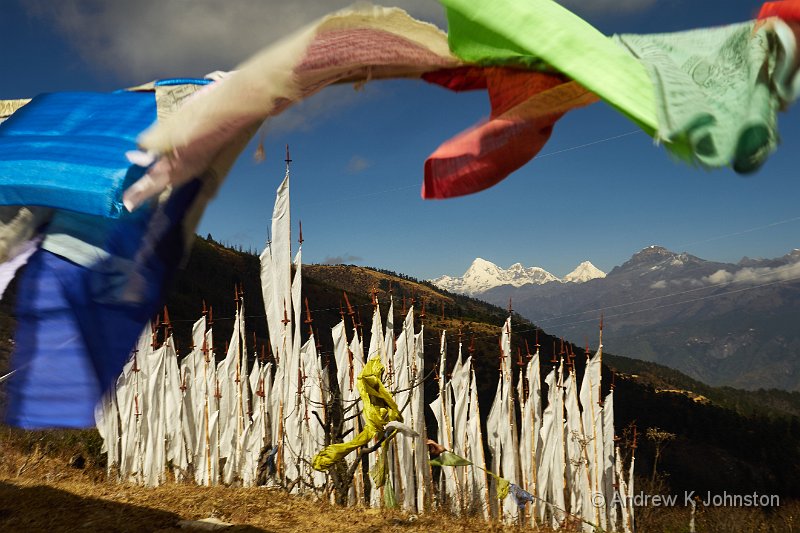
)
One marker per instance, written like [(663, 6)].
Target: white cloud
[(720, 276), (659, 285), (756, 275), (149, 39), (357, 164), (345, 259)]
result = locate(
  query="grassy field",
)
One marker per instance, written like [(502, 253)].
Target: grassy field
[(55, 481)]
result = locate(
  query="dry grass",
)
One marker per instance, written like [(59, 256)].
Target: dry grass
[(82, 504), (40, 491), (361, 280), (783, 519)]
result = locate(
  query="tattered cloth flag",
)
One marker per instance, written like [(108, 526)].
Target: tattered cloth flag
[(525, 106), (67, 150), (521, 495), (541, 60), (76, 324), (711, 95), (353, 45), (788, 10), (100, 272), (17, 258), (543, 35), (379, 408), (719, 107), (448, 458)]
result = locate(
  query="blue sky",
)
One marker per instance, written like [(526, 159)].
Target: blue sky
[(358, 156)]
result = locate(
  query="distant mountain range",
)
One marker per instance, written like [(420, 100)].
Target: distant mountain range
[(483, 275), (722, 323)]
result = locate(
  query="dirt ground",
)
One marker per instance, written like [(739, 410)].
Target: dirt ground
[(28, 504), (84, 505), (45, 486)]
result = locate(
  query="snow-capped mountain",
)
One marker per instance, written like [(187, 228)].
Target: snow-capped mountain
[(584, 272), (721, 323), (483, 275)]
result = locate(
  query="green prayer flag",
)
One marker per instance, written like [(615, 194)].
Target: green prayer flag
[(379, 472), (449, 459), (389, 499), (718, 91), (503, 486)]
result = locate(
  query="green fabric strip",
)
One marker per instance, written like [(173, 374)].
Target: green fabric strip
[(531, 32), (450, 459)]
